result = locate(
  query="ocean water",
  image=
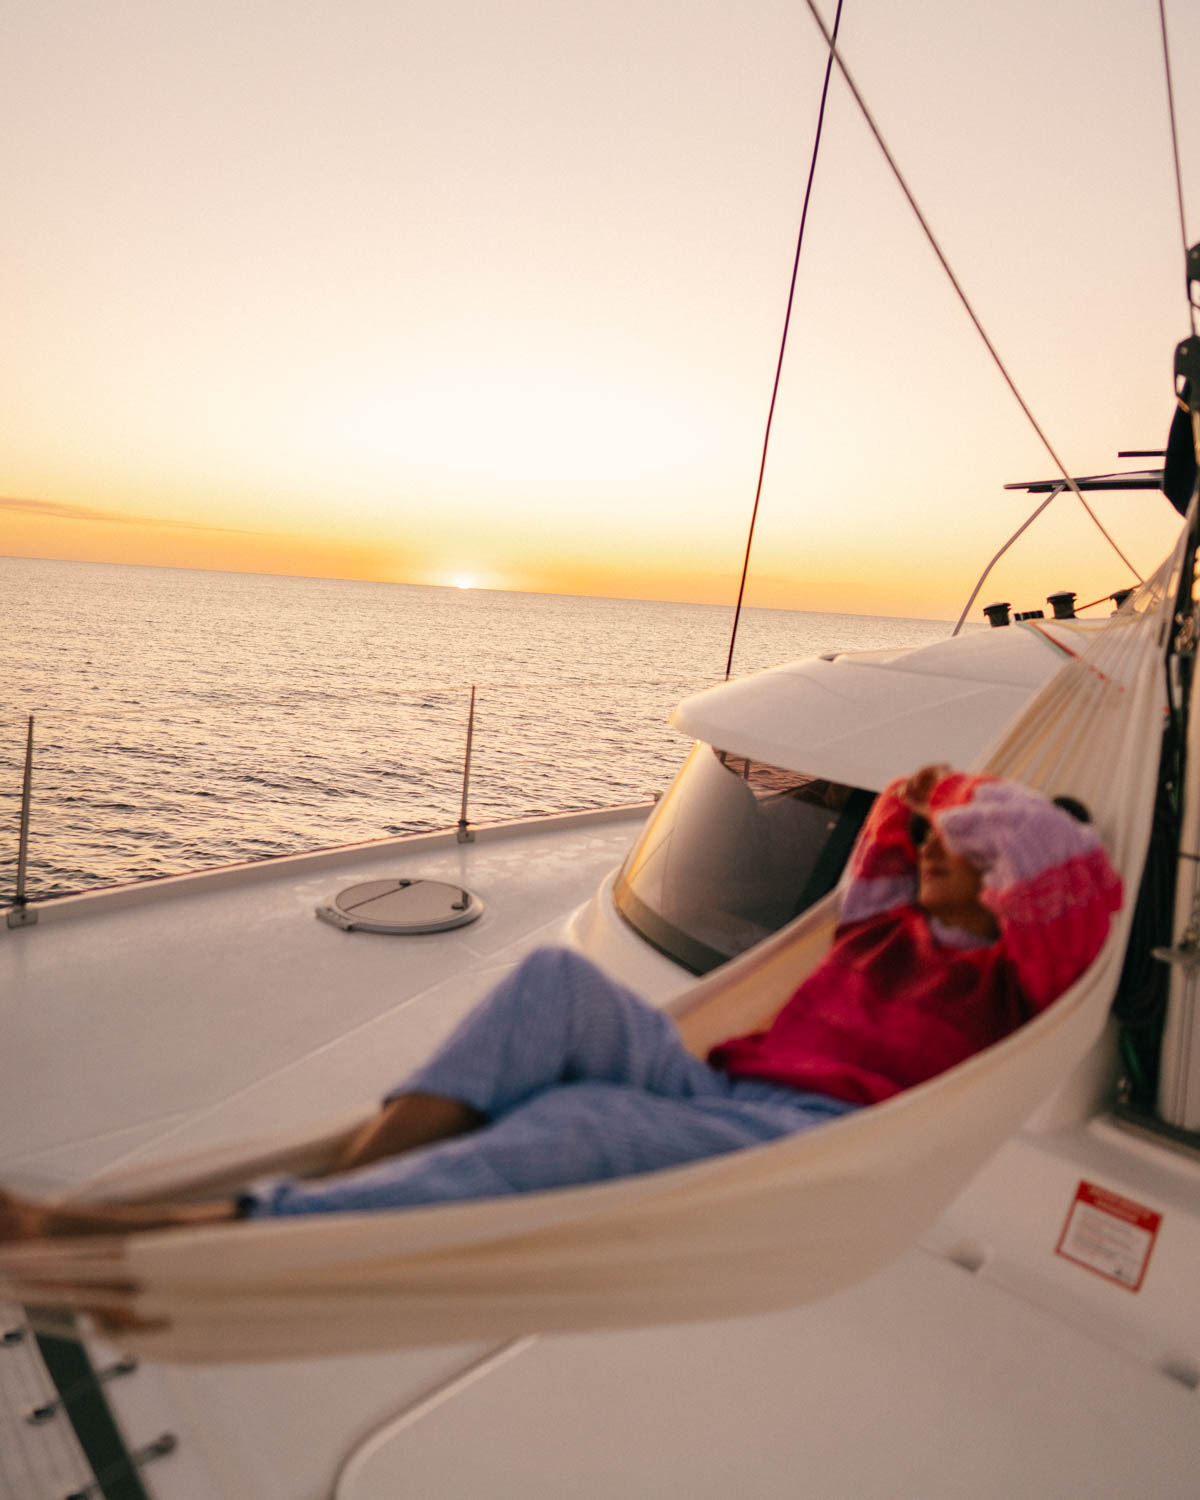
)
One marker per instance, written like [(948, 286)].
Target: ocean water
[(189, 719)]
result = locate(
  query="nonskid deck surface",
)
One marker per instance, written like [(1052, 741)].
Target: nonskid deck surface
[(156, 1019), (36, 1457)]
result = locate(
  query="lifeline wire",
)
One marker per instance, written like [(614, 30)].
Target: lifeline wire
[(954, 282), (1103, 599), (1162, 17), (837, 20)]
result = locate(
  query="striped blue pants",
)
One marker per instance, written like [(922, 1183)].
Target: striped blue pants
[(580, 1081)]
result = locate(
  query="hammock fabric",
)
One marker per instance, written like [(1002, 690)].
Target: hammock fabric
[(754, 1230)]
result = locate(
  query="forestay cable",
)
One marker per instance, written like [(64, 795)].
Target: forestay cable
[(836, 56)]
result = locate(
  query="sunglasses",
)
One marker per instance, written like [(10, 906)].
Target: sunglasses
[(918, 829)]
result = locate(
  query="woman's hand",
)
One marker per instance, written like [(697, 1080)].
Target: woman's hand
[(917, 790)]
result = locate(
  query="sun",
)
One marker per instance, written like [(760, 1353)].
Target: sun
[(463, 581)]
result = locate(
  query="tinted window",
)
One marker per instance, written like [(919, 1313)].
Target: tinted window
[(734, 850)]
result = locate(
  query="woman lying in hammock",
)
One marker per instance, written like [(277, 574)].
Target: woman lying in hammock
[(971, 904)]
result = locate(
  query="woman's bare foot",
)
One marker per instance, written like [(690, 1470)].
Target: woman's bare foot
[(22, 1219)]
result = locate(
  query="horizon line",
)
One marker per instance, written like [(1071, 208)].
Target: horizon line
[(472, 589)]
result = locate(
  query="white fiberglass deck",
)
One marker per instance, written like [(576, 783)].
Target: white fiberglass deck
[(155, 1018), (925, 1383)]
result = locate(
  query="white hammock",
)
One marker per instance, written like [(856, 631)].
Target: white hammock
[(771, 1226)]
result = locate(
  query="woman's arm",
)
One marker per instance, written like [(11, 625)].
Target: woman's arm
[(882, 871), (881, 874), (1046, 878)]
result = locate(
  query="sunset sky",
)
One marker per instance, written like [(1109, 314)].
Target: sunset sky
[(461, 291)]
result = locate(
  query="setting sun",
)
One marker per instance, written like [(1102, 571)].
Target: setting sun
[(581, 409)]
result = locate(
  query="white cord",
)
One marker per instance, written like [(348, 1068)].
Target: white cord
[(1053, 495), (954, 282)]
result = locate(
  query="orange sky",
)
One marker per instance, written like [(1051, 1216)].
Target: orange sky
[(492, 293)]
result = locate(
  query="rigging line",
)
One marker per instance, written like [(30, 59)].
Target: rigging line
[(1162, 17), (1053, 495), (1103, 599), (787, 318), (956, 284)]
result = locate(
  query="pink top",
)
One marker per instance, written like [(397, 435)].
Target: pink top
[(900, 998)]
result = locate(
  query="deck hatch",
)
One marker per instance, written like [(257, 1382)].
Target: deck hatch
[(402, 906)]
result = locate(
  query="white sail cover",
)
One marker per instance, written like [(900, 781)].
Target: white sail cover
[(742, 1233)]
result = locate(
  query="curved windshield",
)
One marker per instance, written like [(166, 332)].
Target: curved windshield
[(734, 850)]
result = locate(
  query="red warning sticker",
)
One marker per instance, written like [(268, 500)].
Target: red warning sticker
[(1110, 1235)]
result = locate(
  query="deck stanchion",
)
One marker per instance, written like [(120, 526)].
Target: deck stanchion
[(20, 914), (465, 833)]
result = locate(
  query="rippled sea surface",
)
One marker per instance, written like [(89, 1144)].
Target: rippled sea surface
[(188, 719)]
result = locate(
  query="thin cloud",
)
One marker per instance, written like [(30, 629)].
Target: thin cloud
[(55, 510)]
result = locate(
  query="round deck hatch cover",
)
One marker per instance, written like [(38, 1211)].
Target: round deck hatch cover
[(402, 906)]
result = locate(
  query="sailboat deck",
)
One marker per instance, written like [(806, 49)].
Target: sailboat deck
[(164, 1016), (924, 1381), (980, 1362)]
